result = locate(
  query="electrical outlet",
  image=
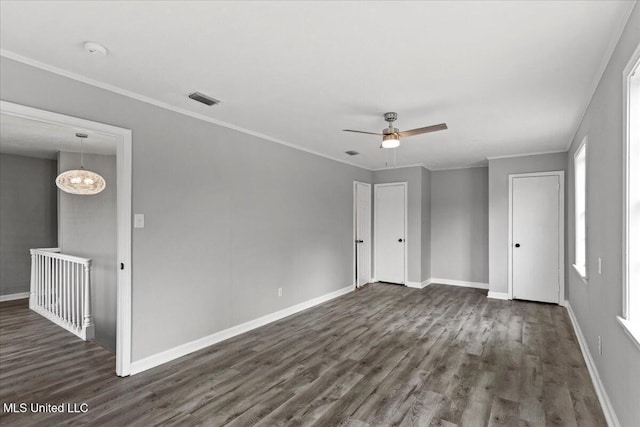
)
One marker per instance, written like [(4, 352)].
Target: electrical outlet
[(279, 292), (599, 265), (599, 345)]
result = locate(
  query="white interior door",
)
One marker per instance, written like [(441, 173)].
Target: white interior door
[(363, 233), (536, 237), (390, 216)]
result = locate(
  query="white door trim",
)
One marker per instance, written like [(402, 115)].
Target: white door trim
[(404, 184), (124, 162), (355, 213), (560, 175)]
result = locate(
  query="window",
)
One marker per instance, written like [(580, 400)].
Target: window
[(631, 208), (580, 176)]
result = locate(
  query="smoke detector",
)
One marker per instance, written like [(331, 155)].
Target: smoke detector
[(95, 48)]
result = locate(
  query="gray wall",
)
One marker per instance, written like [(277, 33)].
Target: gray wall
[(425, 269), (597, 304), (87, 227), (460, 224), (28, 217), (413, 177), (499, 170), (229, 217)]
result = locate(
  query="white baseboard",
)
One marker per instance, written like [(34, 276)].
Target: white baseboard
[(11, 297), (605, 403), (464, 283), (498, 295), (184, 349), (434, 280), (418, 285)]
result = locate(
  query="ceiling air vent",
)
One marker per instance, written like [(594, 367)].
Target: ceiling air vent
[(352, 153), (205, 99)]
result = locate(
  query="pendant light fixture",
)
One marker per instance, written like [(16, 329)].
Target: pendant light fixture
[(81, 181)]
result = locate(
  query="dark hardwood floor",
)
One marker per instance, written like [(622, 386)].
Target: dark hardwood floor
[(385, 355)]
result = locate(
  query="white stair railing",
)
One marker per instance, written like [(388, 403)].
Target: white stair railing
[(61, 290)]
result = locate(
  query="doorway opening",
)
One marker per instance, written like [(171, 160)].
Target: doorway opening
[(122, 147), (362, 233), (390, 235)]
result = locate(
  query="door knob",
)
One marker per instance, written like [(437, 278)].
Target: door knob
[(517, 245), (400, 240), (359, 241)]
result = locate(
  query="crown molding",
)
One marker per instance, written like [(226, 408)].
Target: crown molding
[(540, 153), (416, 165), (459, 167), (146, 99)]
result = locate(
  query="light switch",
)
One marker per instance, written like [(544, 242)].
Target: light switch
[(138, 221)]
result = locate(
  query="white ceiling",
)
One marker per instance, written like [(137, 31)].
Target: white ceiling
[(507, 77), (31, 138)]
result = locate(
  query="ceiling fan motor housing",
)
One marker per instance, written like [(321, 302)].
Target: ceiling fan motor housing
[(390, 117)]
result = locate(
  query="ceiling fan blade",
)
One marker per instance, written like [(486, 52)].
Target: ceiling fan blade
[(361, 131), (419, 131)]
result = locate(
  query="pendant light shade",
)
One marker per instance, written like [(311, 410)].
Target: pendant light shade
[(81, 181)]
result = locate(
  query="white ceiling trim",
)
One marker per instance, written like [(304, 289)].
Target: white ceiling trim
[(439, 169), (613, 42), (83, 79), (459, 167), (400, 167), (539, 153)]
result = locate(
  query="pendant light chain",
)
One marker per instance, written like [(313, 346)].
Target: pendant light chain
[(81, 151)]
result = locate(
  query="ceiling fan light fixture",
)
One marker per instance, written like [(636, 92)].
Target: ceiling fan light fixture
[(390, 141), (391, 135)]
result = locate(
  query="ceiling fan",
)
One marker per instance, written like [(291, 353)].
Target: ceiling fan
[(391, 135)]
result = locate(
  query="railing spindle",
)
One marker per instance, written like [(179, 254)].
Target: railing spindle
[(40, 281), (48, 284), (79, 297), (59, 296), (65, 294), (73, 298), (84, 292), (54, 292), (41, 273), (68, 292), (76, 297), (56, 282)]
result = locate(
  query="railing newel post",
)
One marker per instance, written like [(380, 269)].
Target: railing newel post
[(88, 321), (32, 283)]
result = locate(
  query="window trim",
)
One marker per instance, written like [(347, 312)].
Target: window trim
[(581, 270), (631, 328)]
